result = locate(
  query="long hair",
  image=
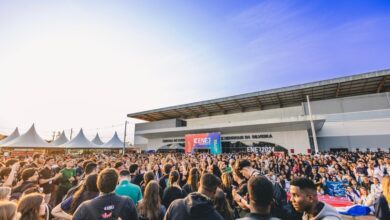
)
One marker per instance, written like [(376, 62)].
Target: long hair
[(149, 207), (193, 179), (222, 205), (7, 210), (29, 206), (386, 187), (87, 191), (227, 181), (174, 177)]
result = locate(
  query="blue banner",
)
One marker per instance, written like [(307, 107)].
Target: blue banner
[(335, 188)]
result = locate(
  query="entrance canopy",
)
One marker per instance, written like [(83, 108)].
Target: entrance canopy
[(114, 143), (28, 140), (11, 137), (80, 142)]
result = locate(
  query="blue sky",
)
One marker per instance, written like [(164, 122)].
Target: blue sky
[(71, 64)]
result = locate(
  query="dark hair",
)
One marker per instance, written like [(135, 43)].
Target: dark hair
[(48, 159), (89, 189), (5, 171), (29, 206), (216, 171), (149, 207), (118, 164), (148, 176), (35, 156), (243, 163), (90, 167), (167, 168), (27, 173), (260, 191), (173, 177), (222, 205), (209, 182), (107, 180), (303, 183), (124, 173), (133, 167), (86, 162), (10, 162)]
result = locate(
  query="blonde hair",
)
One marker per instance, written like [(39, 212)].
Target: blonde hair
[(386, 187), (4, 193), (7, 210)]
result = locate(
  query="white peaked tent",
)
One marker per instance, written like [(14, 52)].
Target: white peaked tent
[(28, 139), (80, 142), (97, 140), (62, 139), (11, 137), (114, 143)]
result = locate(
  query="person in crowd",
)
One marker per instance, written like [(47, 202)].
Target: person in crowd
[(366, 198), (90, 169), (86, 192), (135, 175), (304, 199), (30, 178), (126, 188), (352, 195), (173, 191), (197, 205), (260, 197), (222, 205), (192, 181), (376, 188), (382, 210), (46, 178), (66, 181), (163, 181), (8, 210), (150, 207), (107, 204), (32, 207)]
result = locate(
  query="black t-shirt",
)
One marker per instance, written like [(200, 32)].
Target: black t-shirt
[(137, 179), (108, 206), (171, 194), (45, 174)]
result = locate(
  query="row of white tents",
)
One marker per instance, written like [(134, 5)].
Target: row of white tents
[(31, 139)]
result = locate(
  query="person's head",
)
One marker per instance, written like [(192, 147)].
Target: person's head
[(303, 194), (193, 179), (148, 176), (260, 194), (31, 206), (10, 162), (208, 185), (5, 193), (386, 187), (375, 180), (49, 161), (133, 169), (124, 175), (227, 180), (69, 163), (30, 174), (150, 205), (4, 172), (244, 167), (107, 180), (8, 210), (174, 177), (39, 158), (119, 166), (91, 183), (167, 168), (363, 191), (222, 205), (91, 168)]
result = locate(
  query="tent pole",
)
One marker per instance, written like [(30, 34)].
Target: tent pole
[(124, 139)]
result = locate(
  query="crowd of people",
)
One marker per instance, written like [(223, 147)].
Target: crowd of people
[(175, 186)]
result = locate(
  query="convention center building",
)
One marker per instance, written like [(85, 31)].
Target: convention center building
[(344, 114)]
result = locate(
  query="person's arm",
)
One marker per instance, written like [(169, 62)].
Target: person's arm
[(12, 174), (57, 212), (43, 181)]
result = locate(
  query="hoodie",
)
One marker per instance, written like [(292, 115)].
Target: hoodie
[(326, 213), (194, 206)]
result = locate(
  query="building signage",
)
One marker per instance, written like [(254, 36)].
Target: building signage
[(211, 141), (245, 137), (260, 150)]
